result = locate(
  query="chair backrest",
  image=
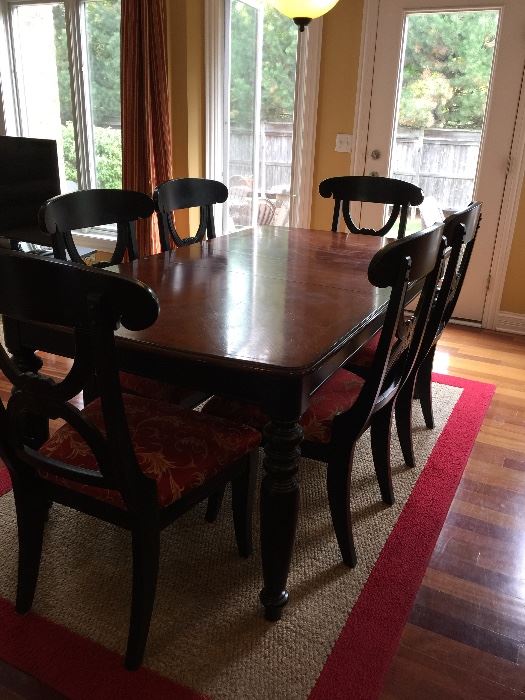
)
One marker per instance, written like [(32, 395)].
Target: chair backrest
[(460, 231), (184, 193), (91, 208), (92, 303), (380, 190), (265, 212), (28, 177), (414, 260)]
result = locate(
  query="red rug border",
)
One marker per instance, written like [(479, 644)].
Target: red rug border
[(81, 669), (362, 654)]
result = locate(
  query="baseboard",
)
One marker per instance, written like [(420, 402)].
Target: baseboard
[(508, 322)]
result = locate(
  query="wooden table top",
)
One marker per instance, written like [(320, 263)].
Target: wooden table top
[(267, 297)]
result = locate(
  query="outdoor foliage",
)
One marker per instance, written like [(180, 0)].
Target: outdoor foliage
[(108, 156), (103, 49), (278, 66), (447, 69)]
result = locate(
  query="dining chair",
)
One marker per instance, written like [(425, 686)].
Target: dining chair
[(87, 209), (93, 208), (184, 193), (365, 188), (346, 404), (133, 462), (460, 231)]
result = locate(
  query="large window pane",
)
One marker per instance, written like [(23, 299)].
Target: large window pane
[(43, 81), (102, 18), (262, 90)]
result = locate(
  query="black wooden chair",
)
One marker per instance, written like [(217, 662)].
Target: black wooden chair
[(133, 462), (460, 231), (88, 209), (185, 193), (381, 190), (346, 405), (92, 208)]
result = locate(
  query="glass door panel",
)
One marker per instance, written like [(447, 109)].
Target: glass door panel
[(260, 107), (442, 102)]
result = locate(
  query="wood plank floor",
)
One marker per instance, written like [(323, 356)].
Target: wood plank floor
[(465, 637)]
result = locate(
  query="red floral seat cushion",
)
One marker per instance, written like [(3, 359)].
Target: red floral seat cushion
[(154, 389), (365, 356), (334, 397), (180, 449)]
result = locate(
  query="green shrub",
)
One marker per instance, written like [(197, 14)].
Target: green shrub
[(108, 156)]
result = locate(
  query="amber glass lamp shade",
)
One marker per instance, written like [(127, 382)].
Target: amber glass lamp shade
[(302, 11)]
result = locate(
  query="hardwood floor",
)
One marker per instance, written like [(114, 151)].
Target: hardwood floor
[(465, 637)]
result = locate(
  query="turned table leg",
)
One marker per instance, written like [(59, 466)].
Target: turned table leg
[(279, 510)]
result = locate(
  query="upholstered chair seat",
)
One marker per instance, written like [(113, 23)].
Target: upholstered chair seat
[(178, 448), (336, 396)]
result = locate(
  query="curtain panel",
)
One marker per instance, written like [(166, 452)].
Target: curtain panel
[(146, 136)]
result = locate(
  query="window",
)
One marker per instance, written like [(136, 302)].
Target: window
[(261, 63), (60, 73), (262, 79)]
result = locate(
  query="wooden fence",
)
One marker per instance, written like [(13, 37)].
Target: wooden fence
[(275, 156), (442, 162)]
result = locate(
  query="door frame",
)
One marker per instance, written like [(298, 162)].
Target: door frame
[(515, 169), (305, 108)]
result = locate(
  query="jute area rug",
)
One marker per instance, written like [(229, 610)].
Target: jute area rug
[(208, 636)]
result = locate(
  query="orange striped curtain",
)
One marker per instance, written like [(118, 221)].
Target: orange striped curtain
[(146, 137)]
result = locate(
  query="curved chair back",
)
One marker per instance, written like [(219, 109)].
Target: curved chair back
[(92, 303), (380, 190), (184, 193), (416, 259), (91, 208)]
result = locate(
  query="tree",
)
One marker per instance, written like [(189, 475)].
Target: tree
[(278, 65), (447, 68), (103, 46)]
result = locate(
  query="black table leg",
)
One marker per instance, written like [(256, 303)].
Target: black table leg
[(279, 509)]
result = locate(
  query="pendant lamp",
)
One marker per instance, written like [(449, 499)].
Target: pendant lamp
[(303, 11)]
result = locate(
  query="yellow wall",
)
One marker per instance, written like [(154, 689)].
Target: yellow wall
[(337, 96), (185, 35)]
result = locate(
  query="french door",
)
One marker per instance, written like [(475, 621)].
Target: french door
[(262, 81), (443, 104)]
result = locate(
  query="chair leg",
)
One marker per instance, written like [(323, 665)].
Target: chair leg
[(31, 510), (424, 387), (145, 535), (243, 501), (214, 505), (338, 479), (380, 431), (404, 420)]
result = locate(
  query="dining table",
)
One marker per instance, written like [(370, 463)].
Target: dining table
[(264, 314)]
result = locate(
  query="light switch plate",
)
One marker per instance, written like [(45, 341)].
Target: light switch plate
[(343, 143)]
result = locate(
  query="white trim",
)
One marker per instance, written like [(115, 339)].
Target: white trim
[(214, 91), (365, 77), (214, 69), (507, 219), (305, 123), (510, 323)]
